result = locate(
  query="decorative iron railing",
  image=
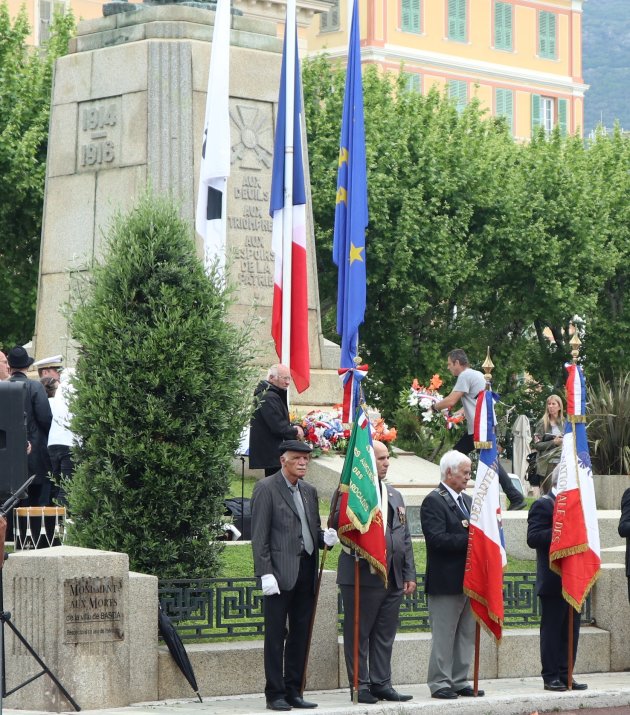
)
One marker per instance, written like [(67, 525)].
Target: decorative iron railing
[(227, 608)]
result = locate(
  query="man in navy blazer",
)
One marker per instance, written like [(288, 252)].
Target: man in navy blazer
[(445, 515), (554, 617), (379, 606), (286, 536)]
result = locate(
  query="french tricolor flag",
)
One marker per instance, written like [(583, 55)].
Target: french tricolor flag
[(289, 322), (575, 546), (486, 558)]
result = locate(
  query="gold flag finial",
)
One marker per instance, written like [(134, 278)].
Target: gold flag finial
[(488, 366), (575, 343)]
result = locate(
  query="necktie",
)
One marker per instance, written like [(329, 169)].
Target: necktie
[(307, 539), (462, 506)]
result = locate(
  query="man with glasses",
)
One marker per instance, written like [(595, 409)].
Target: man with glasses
[(270, 423), (286, 538)]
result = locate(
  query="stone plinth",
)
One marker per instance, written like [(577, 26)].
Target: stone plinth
[(128, 110), (73, 606), (609, 489), (611, 611)]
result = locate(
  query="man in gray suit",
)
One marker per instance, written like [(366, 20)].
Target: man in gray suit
[(444, 514), (286, 536), (379, 606)]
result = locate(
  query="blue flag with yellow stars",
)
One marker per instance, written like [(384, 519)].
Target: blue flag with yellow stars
[(351, 211)]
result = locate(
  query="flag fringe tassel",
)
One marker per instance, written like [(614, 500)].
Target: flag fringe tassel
[(374, 563)]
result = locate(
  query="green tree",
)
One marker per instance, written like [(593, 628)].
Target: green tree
[(163, 390), (25, 87), (473, 239)]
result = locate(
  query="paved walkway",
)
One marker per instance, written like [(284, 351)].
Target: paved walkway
[(513, 696)]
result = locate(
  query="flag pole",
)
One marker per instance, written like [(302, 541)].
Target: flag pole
[(575, 343), (287, 214), (355, 645), (488, 367)]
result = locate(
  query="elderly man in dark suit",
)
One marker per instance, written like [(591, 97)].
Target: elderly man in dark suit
[(379, 606), (624, 530), (286, 536), (444, 515), (38, 421), (554, 617)]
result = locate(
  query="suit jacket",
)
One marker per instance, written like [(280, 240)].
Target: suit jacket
[(277, 529), (624, 526), (400, 562), (269, 426), (38, 419), (446, 537), (539, 528)]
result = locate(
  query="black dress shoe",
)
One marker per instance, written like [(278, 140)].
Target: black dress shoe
[(578, 686), (365, 697), (444, 694), (278, 704), (556, 685), (389, 694), (297, 701), (469, 692)]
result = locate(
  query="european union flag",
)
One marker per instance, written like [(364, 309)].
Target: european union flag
[(351, 211)]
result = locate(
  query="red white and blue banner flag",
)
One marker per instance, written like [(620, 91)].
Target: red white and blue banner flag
[(211, 214), (351, 378), (575, 546), (486, 558), (289, 319)]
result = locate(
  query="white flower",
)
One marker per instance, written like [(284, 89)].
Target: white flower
[(427, 416), (426, 403)]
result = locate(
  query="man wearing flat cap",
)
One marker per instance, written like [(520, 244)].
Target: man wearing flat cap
[(38, 419), (286, 537)]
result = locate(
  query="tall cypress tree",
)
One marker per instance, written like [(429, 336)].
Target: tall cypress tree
[(163, 389)]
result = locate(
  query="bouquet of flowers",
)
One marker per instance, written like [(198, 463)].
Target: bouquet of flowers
[(423, 398), (325, 431)]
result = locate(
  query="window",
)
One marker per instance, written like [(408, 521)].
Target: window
[(458, 92), (504, 106), (457, 20), (410, 13), (46, 9), (547, 35), (412, 82), (502, 26), (547, 111), (329, 21)]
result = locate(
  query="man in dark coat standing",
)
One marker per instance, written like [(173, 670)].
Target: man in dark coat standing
[(379, 606), (624, 530), (270, 423), (38, 419), (554, 617), (286, 537), (444, 515)]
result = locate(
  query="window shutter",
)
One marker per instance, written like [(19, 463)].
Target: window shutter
[(562, 116), (416, 9), (458, 92), (45, 18), (334, 16), (536, 118), (457, 20), (406, 15), (412, 83), (547, 34), (505, 106), (329, 21), (502, 26)]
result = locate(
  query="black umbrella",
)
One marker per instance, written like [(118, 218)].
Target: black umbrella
[(176, 647)]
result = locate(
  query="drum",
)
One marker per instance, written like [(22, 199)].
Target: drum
[(38, 527)]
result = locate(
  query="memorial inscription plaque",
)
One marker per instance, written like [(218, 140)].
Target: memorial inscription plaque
[(98, 139), (93, 609)]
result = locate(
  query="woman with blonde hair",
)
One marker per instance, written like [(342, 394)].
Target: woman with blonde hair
[(548, 439)]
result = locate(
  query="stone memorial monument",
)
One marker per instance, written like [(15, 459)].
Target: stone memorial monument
[(128, 108), (92, 622)]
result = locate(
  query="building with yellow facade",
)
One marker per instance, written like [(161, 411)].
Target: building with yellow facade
[(521, 58), (40, 14)]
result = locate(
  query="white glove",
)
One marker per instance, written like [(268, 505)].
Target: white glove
[(269, 584), (330, 537)]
